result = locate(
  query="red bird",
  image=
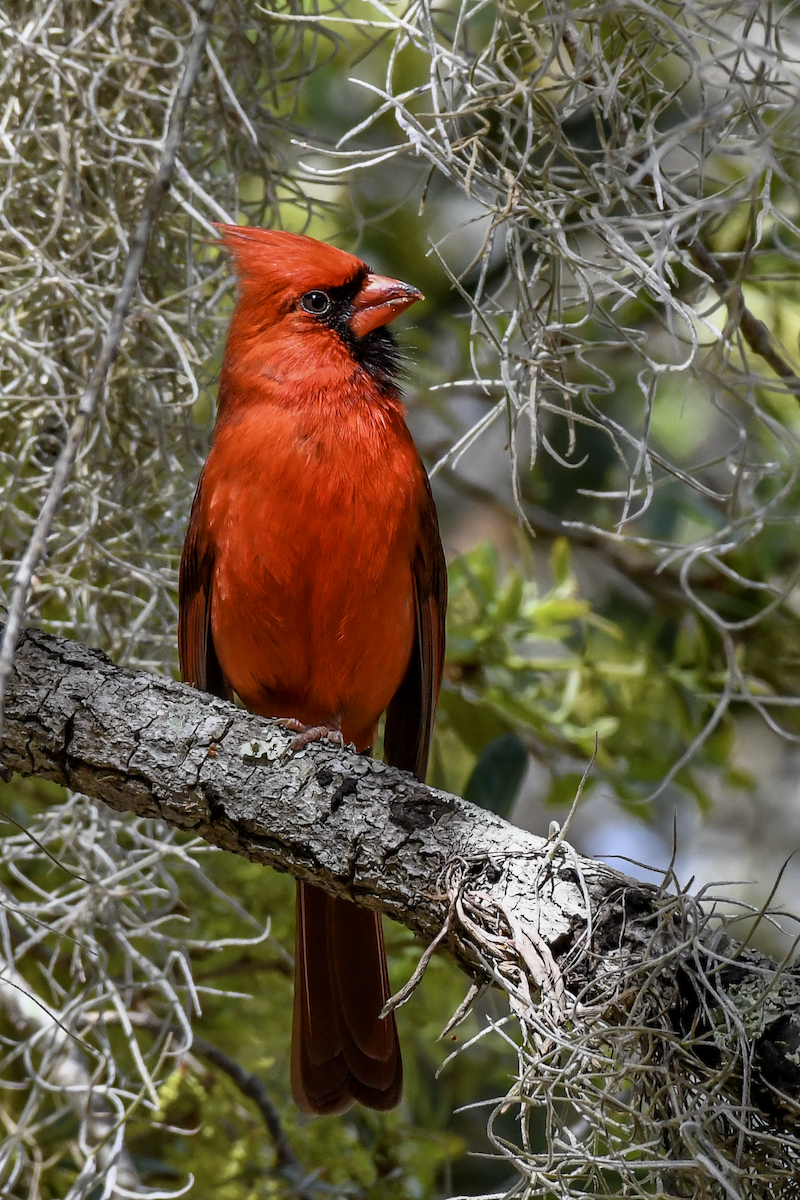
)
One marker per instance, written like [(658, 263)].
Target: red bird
[(313, 587)]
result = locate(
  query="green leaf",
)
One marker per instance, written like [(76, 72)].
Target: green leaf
[(509, 600), (498, 775), (561, 561), (475, 722)]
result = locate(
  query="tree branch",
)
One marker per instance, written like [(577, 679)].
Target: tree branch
[(556, 930), (754, 331), (353, 826)]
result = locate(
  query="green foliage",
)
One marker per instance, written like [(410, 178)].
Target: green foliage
[(540, 663), (498, 775)]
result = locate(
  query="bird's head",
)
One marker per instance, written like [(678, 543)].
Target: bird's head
[(308, 309)]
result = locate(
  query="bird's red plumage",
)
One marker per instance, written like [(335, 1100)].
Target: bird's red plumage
[(313, 587)]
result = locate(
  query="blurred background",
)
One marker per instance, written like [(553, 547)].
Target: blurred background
[(600, 205)]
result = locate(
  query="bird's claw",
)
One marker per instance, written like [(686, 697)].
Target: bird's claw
[(306, 734)]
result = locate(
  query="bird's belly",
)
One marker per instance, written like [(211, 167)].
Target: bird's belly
[(314, 618)]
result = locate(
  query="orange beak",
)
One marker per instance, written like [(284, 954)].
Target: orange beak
[(378, 301)]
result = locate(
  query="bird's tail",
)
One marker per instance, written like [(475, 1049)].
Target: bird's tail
[(341, 1050)]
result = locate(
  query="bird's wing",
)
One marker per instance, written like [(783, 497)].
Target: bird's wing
[(409, 718), (198, 658)]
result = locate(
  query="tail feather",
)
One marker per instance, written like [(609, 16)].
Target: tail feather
[(341, 1050)]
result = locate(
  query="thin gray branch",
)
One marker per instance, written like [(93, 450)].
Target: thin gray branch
[(755, 332), (138, 249)]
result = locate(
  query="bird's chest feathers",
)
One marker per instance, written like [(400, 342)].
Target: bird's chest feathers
[(352, 466), (313, 504), (314, 533)]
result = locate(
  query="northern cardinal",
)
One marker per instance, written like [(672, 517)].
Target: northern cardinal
[(313, 587)]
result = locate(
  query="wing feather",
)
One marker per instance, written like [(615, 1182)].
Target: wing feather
[(409, 718), (198, 657)]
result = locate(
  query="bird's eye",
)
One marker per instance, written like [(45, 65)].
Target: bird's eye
[(316, 303)]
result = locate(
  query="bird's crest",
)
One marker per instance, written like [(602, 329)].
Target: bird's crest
[(274, 262)]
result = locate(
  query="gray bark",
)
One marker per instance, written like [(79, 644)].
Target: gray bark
[(519, 910)]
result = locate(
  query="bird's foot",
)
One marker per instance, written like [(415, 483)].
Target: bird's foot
[(306, 734)]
